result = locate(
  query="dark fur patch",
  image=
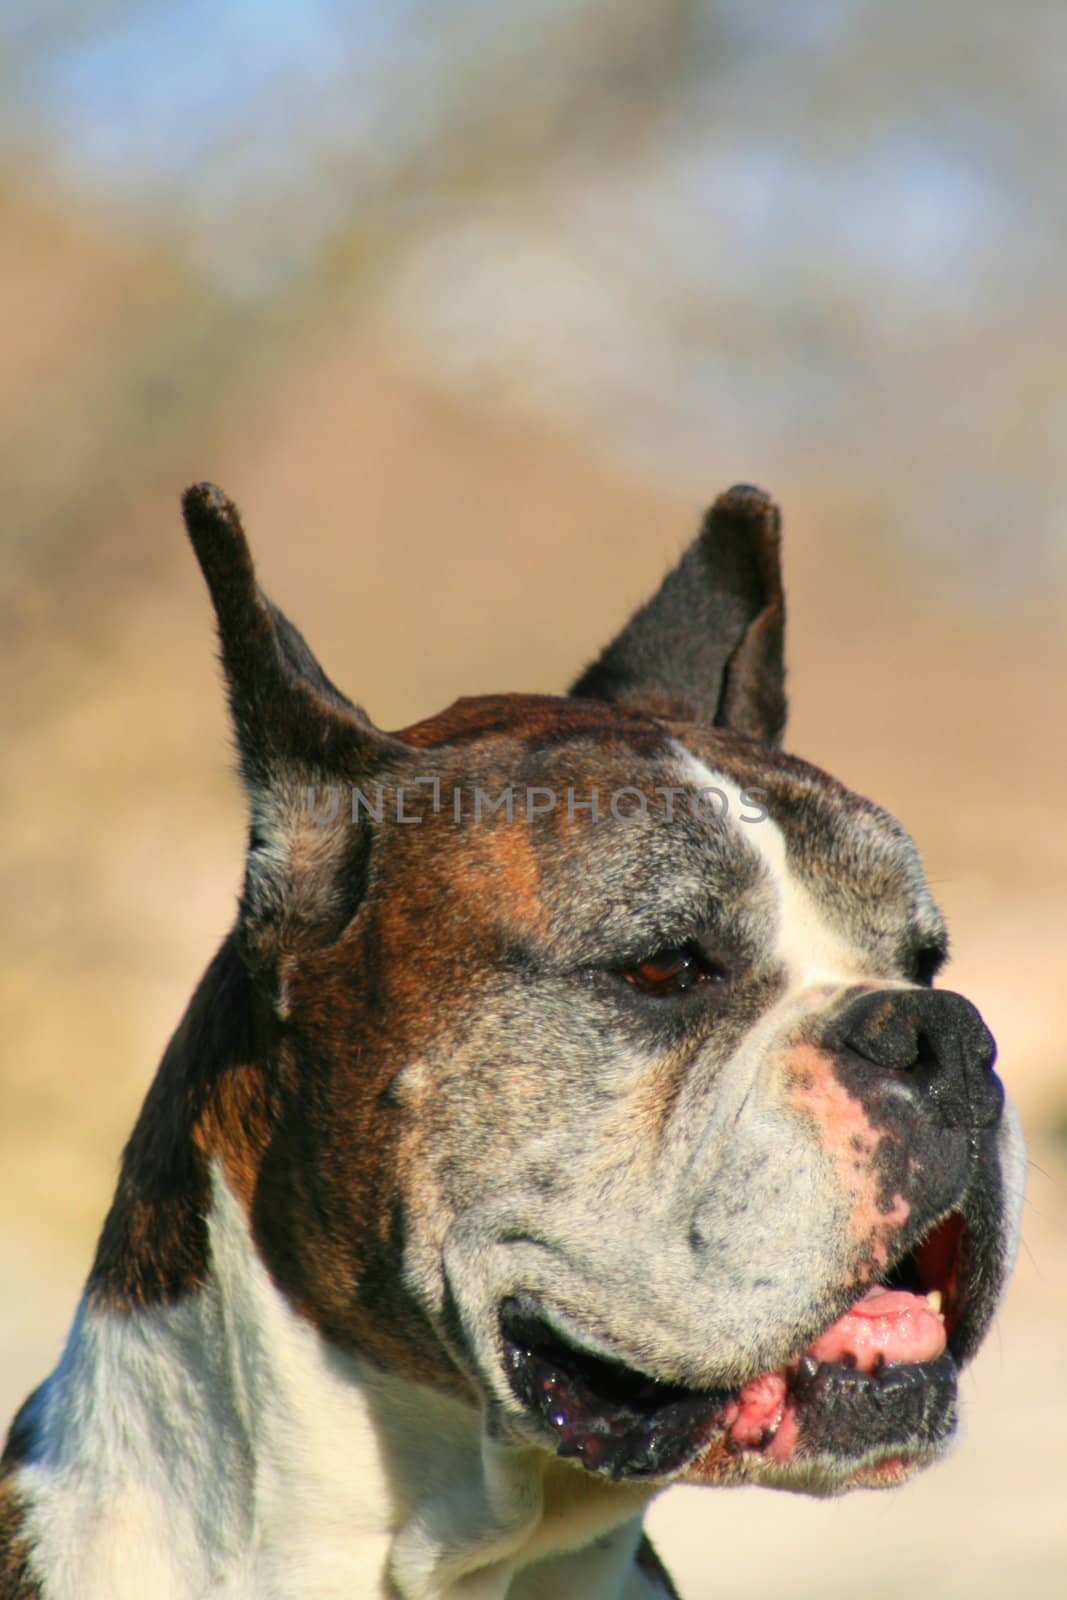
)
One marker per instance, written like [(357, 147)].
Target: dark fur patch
[(17, 1581), (708, 646), (154, 1243), (649, 1564)]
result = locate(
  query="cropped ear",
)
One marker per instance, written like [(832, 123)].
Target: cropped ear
[(296, 734), (708, 646)]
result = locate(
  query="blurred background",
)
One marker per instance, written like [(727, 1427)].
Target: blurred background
[(473, 307)]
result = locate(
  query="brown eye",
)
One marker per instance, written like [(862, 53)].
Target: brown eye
[(927, 963), (672, 970)]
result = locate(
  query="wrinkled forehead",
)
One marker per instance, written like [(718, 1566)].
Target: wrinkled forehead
[(845, 872), (634, 828), (709, 832)]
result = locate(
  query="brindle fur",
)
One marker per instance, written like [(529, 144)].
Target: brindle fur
[(414, 1051)]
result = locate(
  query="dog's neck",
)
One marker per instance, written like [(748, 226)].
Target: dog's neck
[(199, 1423)]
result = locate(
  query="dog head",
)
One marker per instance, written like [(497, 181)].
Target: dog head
[(607, 1084)]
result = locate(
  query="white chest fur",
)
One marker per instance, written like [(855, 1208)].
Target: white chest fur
[(220, 1447)]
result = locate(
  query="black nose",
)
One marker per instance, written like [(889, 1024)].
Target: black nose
[(933, 1041)]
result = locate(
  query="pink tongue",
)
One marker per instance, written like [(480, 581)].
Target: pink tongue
[(889, 1324), (886, 1325)]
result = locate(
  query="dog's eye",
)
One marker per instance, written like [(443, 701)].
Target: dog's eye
[(927, 963), (673, 970)]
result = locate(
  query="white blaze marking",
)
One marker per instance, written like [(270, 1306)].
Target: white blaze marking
[(811, 950)]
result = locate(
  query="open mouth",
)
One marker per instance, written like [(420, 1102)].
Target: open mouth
[(878, 1384)]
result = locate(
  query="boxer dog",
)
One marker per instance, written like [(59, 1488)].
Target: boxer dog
[(570, 1112)]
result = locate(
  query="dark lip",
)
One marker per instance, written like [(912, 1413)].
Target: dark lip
[(604, 1414), (846, 1416), (618, 1421)]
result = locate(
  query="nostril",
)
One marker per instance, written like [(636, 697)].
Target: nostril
[(933, 1045), (927, 1058), (881, 1030)]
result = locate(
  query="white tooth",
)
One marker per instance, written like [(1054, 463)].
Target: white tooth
[(933, 1300)]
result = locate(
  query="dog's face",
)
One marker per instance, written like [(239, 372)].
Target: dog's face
[(613, 1090)]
